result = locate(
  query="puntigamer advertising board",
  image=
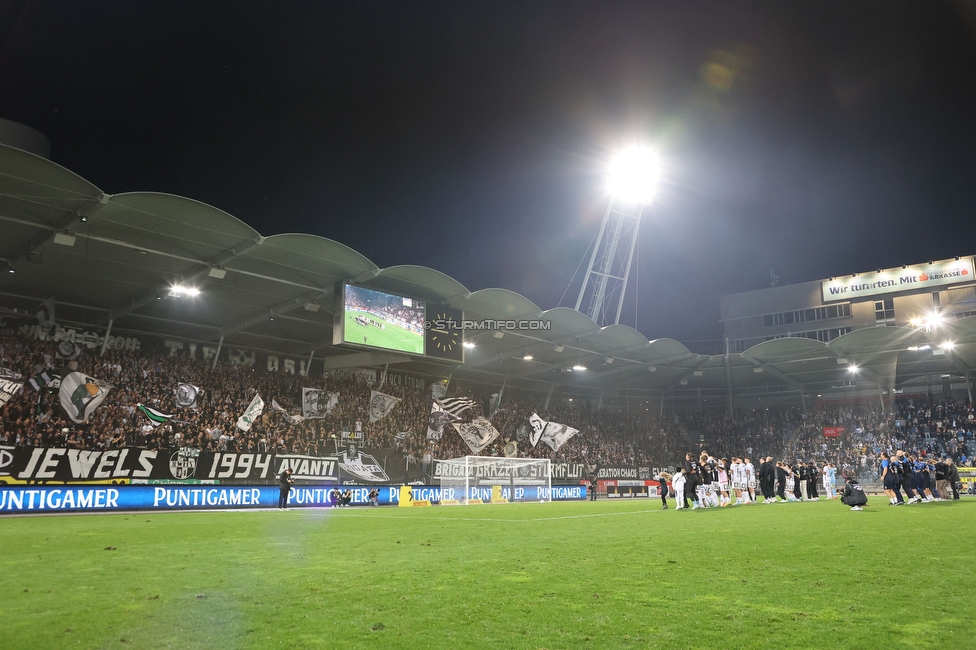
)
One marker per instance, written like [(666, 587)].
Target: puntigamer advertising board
[(917, 276)]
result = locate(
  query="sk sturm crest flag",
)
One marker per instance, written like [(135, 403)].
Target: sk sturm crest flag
[(155, 417), (68, 351), (380, 405), (253, 412), (317, 403), (439, 419), (551, 433), (81, 394), (10, 385), (290, 419), (456, 405), (46, 378), (186, 396), (477, 435)]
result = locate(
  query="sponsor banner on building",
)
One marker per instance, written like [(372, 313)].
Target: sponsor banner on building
[(833, 432), (917, 276), (101, 498)]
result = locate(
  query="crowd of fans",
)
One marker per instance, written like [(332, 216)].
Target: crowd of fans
[(606, 437)]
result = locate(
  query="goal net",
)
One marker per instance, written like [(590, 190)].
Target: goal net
[(486, 479)]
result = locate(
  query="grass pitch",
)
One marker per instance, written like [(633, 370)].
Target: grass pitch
[(391, 337), (621, 574)]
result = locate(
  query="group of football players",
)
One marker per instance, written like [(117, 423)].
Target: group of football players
[(923, 480), (709, 482)]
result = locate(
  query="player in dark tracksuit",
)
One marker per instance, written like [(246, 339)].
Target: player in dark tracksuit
[(812, 476), (693, 478)]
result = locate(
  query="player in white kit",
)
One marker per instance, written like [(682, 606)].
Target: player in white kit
[(750, 473)]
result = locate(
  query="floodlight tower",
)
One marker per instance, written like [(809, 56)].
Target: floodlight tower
[(632, 181)]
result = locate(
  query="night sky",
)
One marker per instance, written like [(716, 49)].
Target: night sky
[(812, 138)]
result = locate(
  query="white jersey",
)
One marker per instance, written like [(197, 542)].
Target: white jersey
[(750, 472)]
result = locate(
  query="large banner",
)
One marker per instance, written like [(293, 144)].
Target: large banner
[(832, 432), (57, 465), (102, 498), (918, 276)]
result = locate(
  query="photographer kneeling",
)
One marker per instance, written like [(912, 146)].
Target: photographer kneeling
[(854, 495)]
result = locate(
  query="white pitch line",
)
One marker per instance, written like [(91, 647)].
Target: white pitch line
[(603, 514)]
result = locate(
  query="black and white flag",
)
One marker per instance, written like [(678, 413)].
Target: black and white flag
[(186, 395), (67, 350), (456, 405), (317, 403), (551, 433), (380, 405), (290, 419), (45, 314), (81, 394), (10, 385), (477, 435), (438, 421)]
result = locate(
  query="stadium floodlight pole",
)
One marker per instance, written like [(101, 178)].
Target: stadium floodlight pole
[(632, 182)]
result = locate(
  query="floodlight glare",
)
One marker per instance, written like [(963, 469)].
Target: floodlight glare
[(947, 345), (178, 291), (528, 357), (579, 367), (852, 369), (633, 175), (468, 344)]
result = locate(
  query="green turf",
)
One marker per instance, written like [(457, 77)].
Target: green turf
[(621, 574), (391, 338)]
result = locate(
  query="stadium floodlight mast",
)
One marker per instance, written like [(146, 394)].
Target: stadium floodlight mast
[(632, 182)]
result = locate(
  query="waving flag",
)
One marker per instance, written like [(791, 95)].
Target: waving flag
[(290, 419), (81, 394), (552, 433), (253, 412), (155, 417), (380, 405), (456, 405)]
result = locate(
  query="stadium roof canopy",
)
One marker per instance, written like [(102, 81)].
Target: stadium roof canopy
[(114, 258)]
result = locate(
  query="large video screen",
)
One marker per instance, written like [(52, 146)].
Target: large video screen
[(382, 320)]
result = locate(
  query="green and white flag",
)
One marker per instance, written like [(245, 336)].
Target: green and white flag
[(82, 394), (155, 417), (254, 410), (380, 405), (45, 378)]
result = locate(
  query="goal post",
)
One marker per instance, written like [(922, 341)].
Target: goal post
[(488, 479)]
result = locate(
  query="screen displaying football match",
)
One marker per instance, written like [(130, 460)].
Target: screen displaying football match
[(382, 320)]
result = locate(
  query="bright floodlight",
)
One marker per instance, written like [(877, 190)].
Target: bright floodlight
[(579, 368), (468, 344), (852, 369), (633, 175)]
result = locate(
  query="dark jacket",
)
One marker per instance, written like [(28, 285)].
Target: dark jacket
[(854, 494)]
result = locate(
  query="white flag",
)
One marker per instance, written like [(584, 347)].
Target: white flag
[(290, 419), (317, 403), (380, 405), (477, 435), (81, 394), (186, 395), (553, 434), (538, 426), (254, 410)]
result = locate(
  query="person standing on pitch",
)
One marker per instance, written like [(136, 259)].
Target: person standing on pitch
[(941, 470), (284, 487), (678, 485), (662, 488), (952, 479)]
